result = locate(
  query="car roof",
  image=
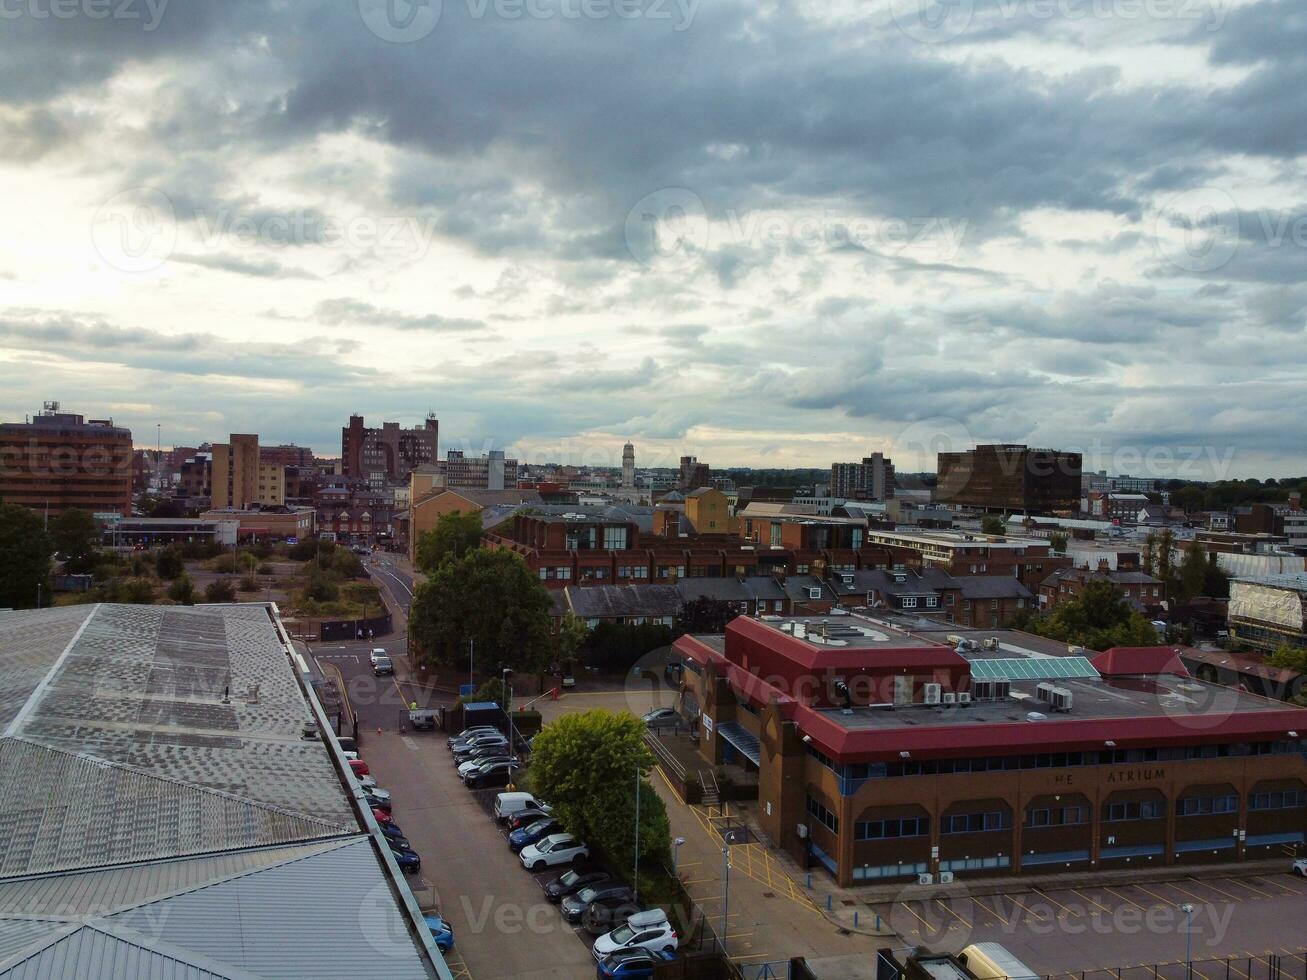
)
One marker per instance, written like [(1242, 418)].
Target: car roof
[(557, 838)]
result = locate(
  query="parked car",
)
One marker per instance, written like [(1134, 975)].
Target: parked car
[(377, 652), (553, 850), (631, 963), (533, 833), (382, 665), (529, 815), (442, 934), (1300, 867), (347, 744), (495, 774), (408, 860), (572, 881), (423, 719), (390, 829), (360, 767), (377, 806), (482, 752), (509, 804), (611, 892), (467, 733), (481, 762), (660, 717), (377, 793), (481, 740), (644, 930), (382, 816)]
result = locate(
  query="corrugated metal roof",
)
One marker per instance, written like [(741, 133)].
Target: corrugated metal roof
[(318, 934), (30, 642), (99, 892), (95, 952), (60, 811), (19, 934)]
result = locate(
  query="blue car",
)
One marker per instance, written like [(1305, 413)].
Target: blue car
[(442, 933), (532, 834), (408, 861), (631, 963)]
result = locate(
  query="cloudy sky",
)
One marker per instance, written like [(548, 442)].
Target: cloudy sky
[(770, 234)]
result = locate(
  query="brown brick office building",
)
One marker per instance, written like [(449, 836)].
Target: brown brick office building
[(1010, 478), (1146, 766), (58, 461)]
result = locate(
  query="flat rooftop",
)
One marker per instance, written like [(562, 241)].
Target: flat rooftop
[(954, 539), (1092, 700), (857, 632)]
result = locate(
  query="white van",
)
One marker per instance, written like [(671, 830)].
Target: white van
[(507, 804)]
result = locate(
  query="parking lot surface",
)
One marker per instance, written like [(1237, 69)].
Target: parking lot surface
[(1074, 928)]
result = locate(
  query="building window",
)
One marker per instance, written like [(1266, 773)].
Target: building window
[(931, 602), (976, 863), (1057, 816), (977, 823), (909, 602), (1147, 810), (800, 569), (823, 816), (1289, 799), (623, 571), (893, 827), (641, 571), (949, 599), (1196, 806), (615, 538)]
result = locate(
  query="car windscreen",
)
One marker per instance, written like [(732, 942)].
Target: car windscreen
[(622, 934), (569, 879), (539, 827), (587, 895)]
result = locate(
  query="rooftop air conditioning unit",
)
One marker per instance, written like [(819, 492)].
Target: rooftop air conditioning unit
[(1075, 650), (950, 697), (1045, 691), (946, 877), (991, 643), (982, 690), (1061, 699), (964, 697), (1002, 689), (933, 693), (925, 879)]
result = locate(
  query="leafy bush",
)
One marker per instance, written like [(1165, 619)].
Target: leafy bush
[(347, 564), (249, 584), (182, 590), (224, 564), (220, 591), (168, 563)]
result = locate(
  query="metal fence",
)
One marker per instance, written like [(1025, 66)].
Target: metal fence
[(1271, 966)]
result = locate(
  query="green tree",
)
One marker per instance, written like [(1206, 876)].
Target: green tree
[(1192, 575), (182, 590), (219, 591), (168, 563), (619, 646), (1057, 541), (571, 636), (1215, 582), (705, 615), (24, 558), (1289, 657), (586, 765), (489, 598), (1099, 618), (75, 537), (347, 564), (454, 535), (992, 525), (1165, 549)]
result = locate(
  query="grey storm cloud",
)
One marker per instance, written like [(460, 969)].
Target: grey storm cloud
[(522, 148)]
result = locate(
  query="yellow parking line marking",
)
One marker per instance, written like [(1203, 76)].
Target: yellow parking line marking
[(1186, 891), (1123, 898), (1091, 901), (1244, 884), (1200, 973), (1291, 887), (924, 923), (1015, 901), (1146, 891), (1233, 898), (1230, 964), (1045, 895), (945, 907), (997, 916)]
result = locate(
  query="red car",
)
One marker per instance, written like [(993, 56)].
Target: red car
[(381, 816), (360, 767)]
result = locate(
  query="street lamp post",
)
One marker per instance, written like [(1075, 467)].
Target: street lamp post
[(726, 891), (507, 676), (1188, 909), (676, 853), (635, 880)]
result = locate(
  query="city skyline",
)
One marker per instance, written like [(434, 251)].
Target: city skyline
[(840, 227)]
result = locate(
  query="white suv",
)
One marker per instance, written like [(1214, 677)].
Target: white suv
[(553, 850), (1300, 867), (644, 930), (378, 652)]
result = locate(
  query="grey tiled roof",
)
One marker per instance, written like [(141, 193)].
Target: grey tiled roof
[(608, 601), (748, 589)]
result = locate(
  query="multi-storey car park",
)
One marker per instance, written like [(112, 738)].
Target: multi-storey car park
[(880, 755)]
